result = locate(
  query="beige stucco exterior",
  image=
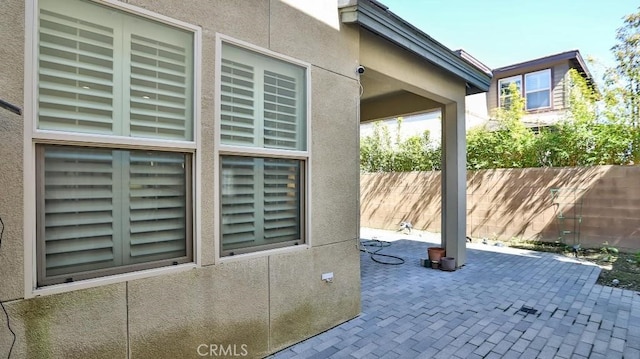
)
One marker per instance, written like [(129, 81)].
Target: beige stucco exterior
[(259, 303), (266, 302)]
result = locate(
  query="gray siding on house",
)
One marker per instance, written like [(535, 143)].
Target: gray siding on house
[(492, 96), (559, 74)]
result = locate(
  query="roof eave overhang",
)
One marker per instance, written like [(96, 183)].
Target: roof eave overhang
[(381, 22)]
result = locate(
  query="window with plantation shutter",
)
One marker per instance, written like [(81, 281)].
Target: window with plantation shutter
[(79, 206), (121, 202), (160, 89), (281, 112), (263, 101), (263, 151), (104, 209), (238, 112), (261, 203), (240, 202), (106, 72), (76, 75), (282, 212), (157, 204)]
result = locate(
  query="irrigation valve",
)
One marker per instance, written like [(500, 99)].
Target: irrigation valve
[(327, 277)]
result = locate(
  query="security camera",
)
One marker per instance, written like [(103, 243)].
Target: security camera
[(360, 69)]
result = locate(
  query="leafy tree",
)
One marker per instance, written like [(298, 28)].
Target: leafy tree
[(584, 137), (509, 145), (416, 153), (375, 150), (573, 141), (622, 94), (627, 56)]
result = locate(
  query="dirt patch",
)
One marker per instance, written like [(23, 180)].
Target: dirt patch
[(619, 269), (626, 269)]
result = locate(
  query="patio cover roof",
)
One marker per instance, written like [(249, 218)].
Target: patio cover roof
[(377, 18)]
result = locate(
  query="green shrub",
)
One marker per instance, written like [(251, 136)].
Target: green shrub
[(609, 253)]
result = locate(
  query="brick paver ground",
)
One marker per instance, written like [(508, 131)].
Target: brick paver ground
[(409, 311)]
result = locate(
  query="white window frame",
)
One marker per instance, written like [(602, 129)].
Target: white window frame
[(222, 150), (508, 80), (526, 91), (33, 136)]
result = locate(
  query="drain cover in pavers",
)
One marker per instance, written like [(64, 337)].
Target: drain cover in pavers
[(528, 310)]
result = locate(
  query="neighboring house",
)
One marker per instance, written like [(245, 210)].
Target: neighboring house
[(184, 176), (543, 84)]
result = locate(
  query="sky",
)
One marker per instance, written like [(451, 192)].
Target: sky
[(505, 32)]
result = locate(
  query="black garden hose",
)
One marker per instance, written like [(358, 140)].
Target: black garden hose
[(380, 245)]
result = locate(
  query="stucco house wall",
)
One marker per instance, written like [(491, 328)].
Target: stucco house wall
[(258, 303)]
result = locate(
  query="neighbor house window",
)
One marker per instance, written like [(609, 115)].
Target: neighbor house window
[(263, 150), (503, 88), (114, 142), (537, 89)]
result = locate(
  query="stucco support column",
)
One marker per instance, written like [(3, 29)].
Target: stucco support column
[(454, 182)]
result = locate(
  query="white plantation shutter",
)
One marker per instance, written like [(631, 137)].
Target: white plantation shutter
[(263, 101), (260, 202), (157, 205), (79, 210), (106, 72), (239, 201), (161, 84), (281, 112), (114, 208), (237, 104), (281, 200), (108, 208), (263, 106), (76, 75)]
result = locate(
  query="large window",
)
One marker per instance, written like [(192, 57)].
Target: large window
[(263, 151), (104, 209), (114, 142), (536, 89), (505, 93)]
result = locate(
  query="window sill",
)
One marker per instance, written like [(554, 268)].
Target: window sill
[(540, 110), (265, 253), (97, 282)]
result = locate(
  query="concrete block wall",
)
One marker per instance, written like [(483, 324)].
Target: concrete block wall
[(508, 203), (390, 198)]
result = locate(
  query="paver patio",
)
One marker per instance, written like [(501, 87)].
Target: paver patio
[(409, 311)]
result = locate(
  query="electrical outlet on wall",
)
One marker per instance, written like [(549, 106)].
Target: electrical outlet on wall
[(327, 277)]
